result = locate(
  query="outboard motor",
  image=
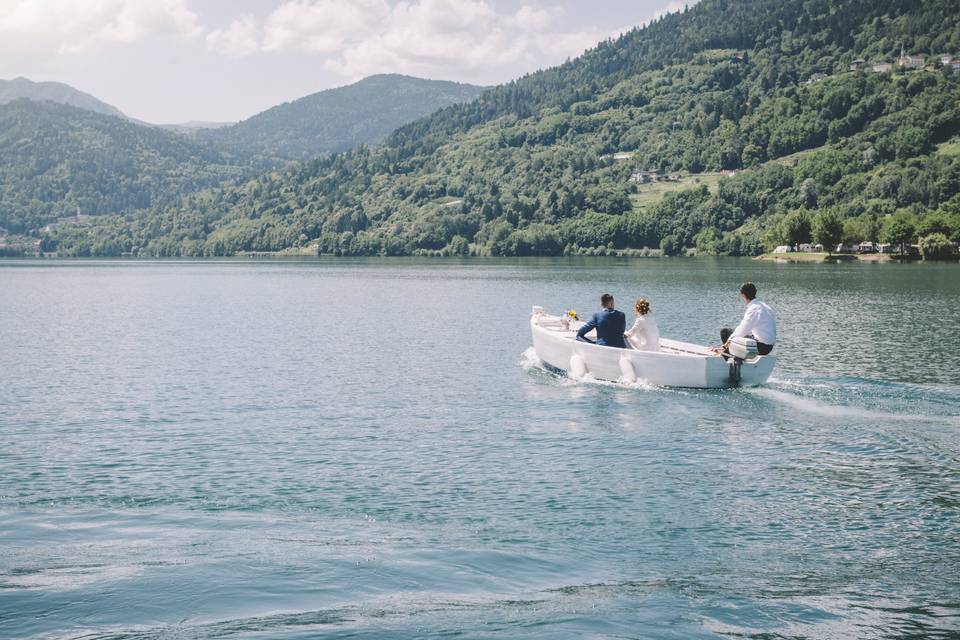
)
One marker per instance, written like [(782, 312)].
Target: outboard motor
[(735, 372), (741, 349)]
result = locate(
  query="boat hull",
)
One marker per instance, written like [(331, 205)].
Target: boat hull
[(676, 364)]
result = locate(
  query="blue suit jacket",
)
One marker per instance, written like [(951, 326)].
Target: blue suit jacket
[(610, 325)]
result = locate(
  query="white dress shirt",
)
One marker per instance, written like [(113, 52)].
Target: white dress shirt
[(759, 322), (644, 335)]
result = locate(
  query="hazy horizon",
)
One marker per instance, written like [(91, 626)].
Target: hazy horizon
[(227, 122), (175, 61)]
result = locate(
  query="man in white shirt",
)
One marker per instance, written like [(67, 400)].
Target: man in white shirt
[(758, 323)]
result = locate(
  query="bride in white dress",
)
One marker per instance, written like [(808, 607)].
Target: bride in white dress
[(644, 335)]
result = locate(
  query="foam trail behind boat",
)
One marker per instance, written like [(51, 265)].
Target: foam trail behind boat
[(816, 407)]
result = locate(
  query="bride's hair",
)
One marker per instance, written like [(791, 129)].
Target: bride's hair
[(642, 307)]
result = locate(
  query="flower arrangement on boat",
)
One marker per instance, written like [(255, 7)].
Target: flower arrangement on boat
[(565, 319)]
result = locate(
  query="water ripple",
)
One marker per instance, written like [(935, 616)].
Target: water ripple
[(223, 450)]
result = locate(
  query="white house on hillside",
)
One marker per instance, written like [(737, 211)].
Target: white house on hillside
[(910, 62), (644, 177)]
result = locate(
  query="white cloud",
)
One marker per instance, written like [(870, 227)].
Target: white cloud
[(47, 27), (534, 17), (423, 37), (237, 40), (322, 26)]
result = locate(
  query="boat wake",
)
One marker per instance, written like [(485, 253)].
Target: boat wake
[(529, 361), (863, 400), (831, 399)]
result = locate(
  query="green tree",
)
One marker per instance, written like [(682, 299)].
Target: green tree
[(899, 229), (865, 228), (827, 228), (796, 227), (910, 141), (669, 245), (936, 246), (933, 223), (707, 241), (459, 246)]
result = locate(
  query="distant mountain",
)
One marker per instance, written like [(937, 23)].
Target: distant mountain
[(63, 151), (56, 160), (58, 92), (193, 126), (338, 119)]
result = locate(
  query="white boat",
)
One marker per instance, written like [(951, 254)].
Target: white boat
[(676, 364)]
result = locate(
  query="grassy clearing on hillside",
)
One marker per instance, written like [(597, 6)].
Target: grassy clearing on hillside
[(650, 194), (792, 159), (949, 148)]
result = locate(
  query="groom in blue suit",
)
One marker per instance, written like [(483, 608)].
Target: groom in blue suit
[(609, 323)]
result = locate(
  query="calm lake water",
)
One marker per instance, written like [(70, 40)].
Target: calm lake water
[(363, 449)]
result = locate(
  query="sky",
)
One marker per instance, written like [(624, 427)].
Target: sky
[(169, 61)]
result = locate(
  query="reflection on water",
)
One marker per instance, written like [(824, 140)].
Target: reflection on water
[(365, 448)]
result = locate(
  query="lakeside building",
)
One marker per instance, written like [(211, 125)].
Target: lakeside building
[(801, 248)]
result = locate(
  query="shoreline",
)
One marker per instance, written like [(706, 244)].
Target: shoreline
[(838, 257), (615, 254)]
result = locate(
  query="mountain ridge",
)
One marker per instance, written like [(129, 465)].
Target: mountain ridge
[(55, 157), (327, 121), (58, 92)]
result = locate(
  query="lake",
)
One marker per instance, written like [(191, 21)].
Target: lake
[(365, 448)]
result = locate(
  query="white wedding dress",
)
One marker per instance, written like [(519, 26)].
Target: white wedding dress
[(644, 335)]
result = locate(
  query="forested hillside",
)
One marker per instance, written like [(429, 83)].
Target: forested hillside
[(56, 160), (339, 119), (58, 92), (771, 90)]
